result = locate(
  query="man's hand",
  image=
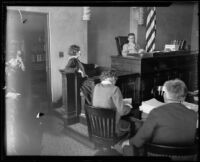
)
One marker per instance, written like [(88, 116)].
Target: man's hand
[(125, 143)]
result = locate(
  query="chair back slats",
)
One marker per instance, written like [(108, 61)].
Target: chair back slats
[(108, 128), (101, 123), (112, 130), (100, 126)]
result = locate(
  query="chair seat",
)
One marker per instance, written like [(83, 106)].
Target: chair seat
[(174, 152), (108, 152)]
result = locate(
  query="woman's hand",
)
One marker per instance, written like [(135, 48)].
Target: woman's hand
[(125, 143), (82, 74), (95, 65)]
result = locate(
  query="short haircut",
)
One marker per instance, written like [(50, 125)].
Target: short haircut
[(131, 34), (108, 74), (73, 50), (176, 89)]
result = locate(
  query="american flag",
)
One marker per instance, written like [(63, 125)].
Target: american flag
[(151, 29)]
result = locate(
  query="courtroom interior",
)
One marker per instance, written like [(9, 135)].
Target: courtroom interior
[(102, 81)]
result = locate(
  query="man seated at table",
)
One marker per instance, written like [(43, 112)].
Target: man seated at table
[(107, 95), (168, 124)]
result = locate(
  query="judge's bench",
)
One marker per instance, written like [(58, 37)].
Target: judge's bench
[(156, 68)]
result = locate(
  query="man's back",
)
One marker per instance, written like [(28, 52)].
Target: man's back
[(170, 124), (175, 124)]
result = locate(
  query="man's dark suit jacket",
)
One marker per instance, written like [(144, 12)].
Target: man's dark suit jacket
[(170, 124)]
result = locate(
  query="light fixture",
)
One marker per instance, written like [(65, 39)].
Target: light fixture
[(139, 11), (86, 13)]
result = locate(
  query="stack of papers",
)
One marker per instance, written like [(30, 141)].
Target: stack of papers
[(149, 105), (191, 106)]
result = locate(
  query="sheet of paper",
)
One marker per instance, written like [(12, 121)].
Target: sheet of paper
[(128, 102), (149, 105), (191, 106)]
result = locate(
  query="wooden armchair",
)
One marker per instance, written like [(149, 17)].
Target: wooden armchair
[(120, 41), (101, 126), (184, 153)]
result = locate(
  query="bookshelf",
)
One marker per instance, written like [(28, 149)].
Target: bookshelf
[(38, 64), (38, 53)]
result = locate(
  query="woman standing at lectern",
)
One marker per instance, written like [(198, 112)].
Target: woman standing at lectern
[(86, 70)]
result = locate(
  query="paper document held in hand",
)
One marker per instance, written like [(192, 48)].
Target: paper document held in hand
[(128, 102)]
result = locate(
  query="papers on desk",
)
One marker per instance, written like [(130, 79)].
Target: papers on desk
[(149, 105), (191, 106), (128, 102)]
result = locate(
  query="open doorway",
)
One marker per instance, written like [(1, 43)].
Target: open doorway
[(27, 32), (27, 44)]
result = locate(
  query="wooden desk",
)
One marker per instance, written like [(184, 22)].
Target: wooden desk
[(155, 70)]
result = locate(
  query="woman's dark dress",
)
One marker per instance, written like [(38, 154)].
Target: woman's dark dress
[(89, 71)]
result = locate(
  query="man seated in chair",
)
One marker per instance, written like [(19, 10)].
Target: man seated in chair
[(171, 124), (107, 95), (131, 47)]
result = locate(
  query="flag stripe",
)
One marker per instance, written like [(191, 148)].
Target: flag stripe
[(149, 35), (149, 44), (152, 19), (150, 49), (151, 39), (151, 30)]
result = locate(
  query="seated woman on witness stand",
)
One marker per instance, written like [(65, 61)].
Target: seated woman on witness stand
[(86, 70), (107, 95), (170, 124), (131, 46)]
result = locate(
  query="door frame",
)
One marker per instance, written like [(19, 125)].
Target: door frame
[(47, 41)]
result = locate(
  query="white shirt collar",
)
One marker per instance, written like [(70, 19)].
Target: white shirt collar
[(70, 57), (106, 82)]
